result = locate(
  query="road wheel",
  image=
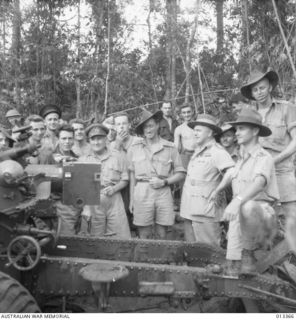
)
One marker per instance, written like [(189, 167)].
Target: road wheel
[(14, 298)]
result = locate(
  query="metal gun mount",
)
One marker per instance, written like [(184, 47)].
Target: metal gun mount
[(78, 182), (69, 269)]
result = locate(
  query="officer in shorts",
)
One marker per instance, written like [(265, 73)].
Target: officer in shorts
[(109, 217), (154, 165)]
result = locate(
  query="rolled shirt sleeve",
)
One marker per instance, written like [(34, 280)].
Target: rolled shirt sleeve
[(177, 161)]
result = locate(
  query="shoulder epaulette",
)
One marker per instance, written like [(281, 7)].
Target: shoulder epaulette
[(137, 141), (167, 143)]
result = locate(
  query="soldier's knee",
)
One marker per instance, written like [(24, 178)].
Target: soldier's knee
[(249, 209)]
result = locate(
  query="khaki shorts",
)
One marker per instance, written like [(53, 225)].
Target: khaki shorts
[(234, 240), (153, 206), (69, 216), (108, 218)]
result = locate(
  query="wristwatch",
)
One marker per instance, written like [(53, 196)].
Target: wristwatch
[(239, 198), (166, 183)]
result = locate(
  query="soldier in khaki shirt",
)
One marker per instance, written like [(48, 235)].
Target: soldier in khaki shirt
[(280, 117), (252, 218), (109, 216), (154, 164), (205, 171), (51, 115)]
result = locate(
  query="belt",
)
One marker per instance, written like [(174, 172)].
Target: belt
[(143, 180)]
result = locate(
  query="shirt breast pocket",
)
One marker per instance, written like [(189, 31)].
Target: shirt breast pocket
[(113, 173), (279, 131), (163, 167), (140, 165)]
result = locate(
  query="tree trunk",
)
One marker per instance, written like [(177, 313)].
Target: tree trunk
[(174, 47), (171, 47), (15, 51), (151, 54), (188, 60), (108, 63), (245, 33), (98, 14), (168, 77), (78, 84), (220, 25)]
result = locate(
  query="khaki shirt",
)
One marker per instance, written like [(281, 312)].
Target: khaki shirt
[(50, 140), (113, 166), (126, 145), (257, 162), (203, 176), (81, 150), (235, 155), (185, 136), (162, 162), (280, 118)]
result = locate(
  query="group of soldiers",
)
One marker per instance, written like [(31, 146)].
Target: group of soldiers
[(241, 172)]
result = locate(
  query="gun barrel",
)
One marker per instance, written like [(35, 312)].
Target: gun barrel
[(51, 172), (15, 153)]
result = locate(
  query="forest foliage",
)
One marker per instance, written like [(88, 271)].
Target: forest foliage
[(78, 54)]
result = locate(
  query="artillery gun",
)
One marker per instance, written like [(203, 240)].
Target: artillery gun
[(37, 261)]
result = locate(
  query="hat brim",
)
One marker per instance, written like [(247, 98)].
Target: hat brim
[(263, 131), (223, 131), (217, 130), (272, 76), (158, 115), (89, 128)]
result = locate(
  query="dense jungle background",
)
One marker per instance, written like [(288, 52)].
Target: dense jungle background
[(97, 57)]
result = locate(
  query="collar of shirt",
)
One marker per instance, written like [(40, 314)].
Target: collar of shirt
[(59, 151), (102, 157), (51, 134), (272, 105), (208, 145), (158, 146), (251, 153)]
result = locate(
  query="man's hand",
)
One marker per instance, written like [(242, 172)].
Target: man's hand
[(108, 191), (86, 214), (232, 210), (156, 183), (121, 136)]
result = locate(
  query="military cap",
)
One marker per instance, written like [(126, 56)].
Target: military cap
[(12, 113), (96, 129), (206, 120), (145, 116), (252, 117), (50, 108), (256, 76)]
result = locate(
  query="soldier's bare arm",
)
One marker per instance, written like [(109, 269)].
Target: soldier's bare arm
[(289, 150), (132, 188), (233, 209)]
